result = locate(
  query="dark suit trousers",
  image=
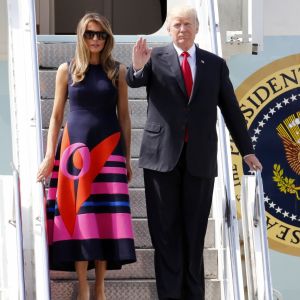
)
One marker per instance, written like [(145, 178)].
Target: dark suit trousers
[(178, 206)]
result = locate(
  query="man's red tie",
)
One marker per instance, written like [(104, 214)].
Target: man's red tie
[(188, 81), (187, 73)]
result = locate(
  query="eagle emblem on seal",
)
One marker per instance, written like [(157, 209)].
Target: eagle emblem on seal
[(289, 132)]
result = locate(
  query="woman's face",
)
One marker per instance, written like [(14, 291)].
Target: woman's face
[(95, 37)]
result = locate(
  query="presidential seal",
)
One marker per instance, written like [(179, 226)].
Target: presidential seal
[(270, 102)]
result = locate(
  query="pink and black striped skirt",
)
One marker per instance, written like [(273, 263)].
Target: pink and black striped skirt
[(88, 208)]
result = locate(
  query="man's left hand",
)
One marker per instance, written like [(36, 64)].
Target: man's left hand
[(252, 161)]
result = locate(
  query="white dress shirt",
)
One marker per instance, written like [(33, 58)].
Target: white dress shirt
[(191, 58)]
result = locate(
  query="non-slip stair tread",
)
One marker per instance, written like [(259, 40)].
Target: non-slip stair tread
[(144, 267), (125, 289), (47, 87), (51, 55), (136, 139), (137, 109), (143, 241)]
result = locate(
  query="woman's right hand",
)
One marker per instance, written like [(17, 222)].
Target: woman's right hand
[(140, 54), (45, 168)]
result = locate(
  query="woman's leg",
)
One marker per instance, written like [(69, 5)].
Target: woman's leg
[(99, 284), (83, 285)]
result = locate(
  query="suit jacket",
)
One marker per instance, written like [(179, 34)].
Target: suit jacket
[(170, 111)]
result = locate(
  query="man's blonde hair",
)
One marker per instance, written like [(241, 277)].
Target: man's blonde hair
[(179, 11)]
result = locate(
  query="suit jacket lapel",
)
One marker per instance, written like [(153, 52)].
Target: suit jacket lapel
[(173, 61), (200, 73)]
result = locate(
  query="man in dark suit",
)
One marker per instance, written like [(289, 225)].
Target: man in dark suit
[(185, 85)]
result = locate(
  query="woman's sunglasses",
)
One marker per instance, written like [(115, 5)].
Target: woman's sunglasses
[(101, 35)]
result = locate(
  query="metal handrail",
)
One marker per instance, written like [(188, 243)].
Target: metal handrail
[(17, 222), (259, 200), (230, 212), (26, 117), (38, 126), (255, 238)]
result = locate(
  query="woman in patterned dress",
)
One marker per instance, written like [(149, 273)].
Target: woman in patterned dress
[(88, 212)]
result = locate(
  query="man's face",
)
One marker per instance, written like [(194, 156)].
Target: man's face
[(183, 29)]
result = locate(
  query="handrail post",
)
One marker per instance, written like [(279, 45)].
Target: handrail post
[(38, 126), (18, 224), (26, 134), (231, 217), (264, 236), (255, 238)]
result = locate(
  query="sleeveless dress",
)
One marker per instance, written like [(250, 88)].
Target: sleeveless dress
[(88, 210)]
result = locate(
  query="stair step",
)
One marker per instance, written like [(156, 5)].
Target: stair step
[(136, 139), (137, 180), (144, 267), (51, 55), (138, 113), (125, 289), (47, 87), (137, 202), (142, 236), (137, 108)]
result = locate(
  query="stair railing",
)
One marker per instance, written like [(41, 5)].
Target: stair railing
[(26, 134), (17, 222), (230, 224), (233, 281), (259, 285)]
